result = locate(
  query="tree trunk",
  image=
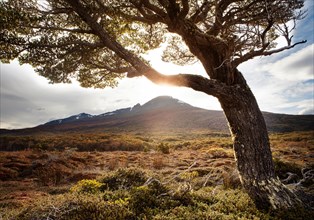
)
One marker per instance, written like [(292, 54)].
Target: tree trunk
[(252, 151), (247, 126)]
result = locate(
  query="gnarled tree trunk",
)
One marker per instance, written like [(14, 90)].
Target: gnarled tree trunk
[(252, 151)]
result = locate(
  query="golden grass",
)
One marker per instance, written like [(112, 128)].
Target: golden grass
[(37, 172)]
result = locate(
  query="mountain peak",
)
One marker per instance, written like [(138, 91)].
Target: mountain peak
[(164, 98), (160, 114), (164, 102), (70, 119)]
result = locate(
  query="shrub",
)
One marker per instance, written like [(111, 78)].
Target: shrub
[(158, 162), (87, 186), (116, 195), (218, 153), (48, 175), (146, 201), (123, 178), (113, 164), (163, 148), (82, 207), (227, 204), (189, 176)]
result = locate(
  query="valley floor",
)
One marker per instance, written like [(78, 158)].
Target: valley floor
[(198, 162)]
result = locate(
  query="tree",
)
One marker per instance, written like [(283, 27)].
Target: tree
[(100, 41)]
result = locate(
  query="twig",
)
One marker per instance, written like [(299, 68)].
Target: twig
[(207, 178), (184, 171)]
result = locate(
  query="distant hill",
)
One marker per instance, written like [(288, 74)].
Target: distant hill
[(162, 113)]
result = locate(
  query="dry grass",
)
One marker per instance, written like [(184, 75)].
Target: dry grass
[(27, 175)]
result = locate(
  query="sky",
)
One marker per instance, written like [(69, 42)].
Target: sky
[(282, 83)]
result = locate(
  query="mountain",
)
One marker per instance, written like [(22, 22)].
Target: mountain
[(162, 113), (69, 119)]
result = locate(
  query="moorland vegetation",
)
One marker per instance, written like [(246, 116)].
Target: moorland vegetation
[(140, 176)]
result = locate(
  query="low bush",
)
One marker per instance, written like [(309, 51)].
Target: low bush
[(158, 162), (148, 197), (218, 153), (77, 207), (163, 148), (123, 179), (123, 199), (87, 186)]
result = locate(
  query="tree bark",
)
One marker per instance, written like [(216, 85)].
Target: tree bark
[(252, 151)]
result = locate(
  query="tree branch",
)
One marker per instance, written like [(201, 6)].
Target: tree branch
[(154, 8), (195, 82), (201, 13), (151, 13), (185, 8), (270, 52), (262, 52), (263, 35)]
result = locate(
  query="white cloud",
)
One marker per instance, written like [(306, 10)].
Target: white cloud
[(307, 111), (295, 67), (305, 107), (282, 85)]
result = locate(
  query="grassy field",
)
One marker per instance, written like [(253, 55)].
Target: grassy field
[(136, 176)]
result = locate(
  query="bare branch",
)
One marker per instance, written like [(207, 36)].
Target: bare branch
[(195, 82), (201, 13), (262, 52), (151, 13), (185, 8), (180, 173), (263, 35), (154, 8), (270, 52)]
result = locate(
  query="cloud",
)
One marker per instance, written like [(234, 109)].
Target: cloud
[(305, 107), (295, 67), (307, 111), (285, 85)]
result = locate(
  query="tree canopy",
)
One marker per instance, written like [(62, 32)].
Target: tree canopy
[(99, 41)]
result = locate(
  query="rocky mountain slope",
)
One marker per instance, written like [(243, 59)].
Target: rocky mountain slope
[(162, 113)]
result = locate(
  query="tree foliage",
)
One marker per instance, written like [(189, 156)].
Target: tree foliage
[(97, 42)]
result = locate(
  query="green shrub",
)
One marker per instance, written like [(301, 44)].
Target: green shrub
[(77, 207), (163, 148), (147, 201), (116, 195), (87, 186), (218, 153), (189, 176), (123, 178)]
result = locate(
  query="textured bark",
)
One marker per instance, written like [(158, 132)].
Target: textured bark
[(252, 152)]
